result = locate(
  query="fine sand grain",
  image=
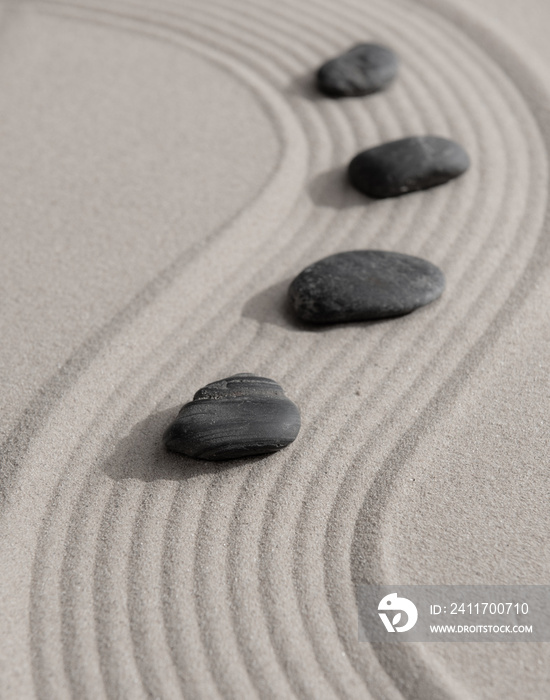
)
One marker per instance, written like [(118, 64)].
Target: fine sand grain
[(167, 168)]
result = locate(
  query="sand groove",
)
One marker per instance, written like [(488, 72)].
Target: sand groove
[(153, 576)]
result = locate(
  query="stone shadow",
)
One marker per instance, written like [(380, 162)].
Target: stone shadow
[(305, 86), (333, 189), (272, 305), (142, 456)]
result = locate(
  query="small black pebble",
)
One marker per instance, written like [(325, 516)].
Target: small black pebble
[(239, 416), (407, 165), (364, 284), (364, 69)]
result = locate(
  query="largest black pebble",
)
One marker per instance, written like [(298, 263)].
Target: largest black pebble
[(239, 416), (363, 285), (407, 165)]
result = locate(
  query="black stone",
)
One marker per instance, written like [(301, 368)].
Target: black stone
[(407, 165), (364, 69), (364, 284), (239, 416)]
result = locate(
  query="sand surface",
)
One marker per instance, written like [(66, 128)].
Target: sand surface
[(166, 170)]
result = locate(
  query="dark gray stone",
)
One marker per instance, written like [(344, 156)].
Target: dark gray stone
[(363, 285), (239, 416), (407, 165), (364, 69)]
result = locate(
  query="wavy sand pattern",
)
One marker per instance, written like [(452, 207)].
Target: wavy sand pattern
[(139, 574)]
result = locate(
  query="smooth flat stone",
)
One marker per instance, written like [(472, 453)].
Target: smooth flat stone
[(364, 69), (239, 416), (407, 165), (363, 285)]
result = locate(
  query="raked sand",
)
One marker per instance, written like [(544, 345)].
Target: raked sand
[(166, 169)]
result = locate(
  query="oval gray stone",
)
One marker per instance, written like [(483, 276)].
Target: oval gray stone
[(407, 165), (364, 69), (362, 285), (239, 416)]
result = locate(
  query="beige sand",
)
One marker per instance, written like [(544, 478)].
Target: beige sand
[(166, 168)]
